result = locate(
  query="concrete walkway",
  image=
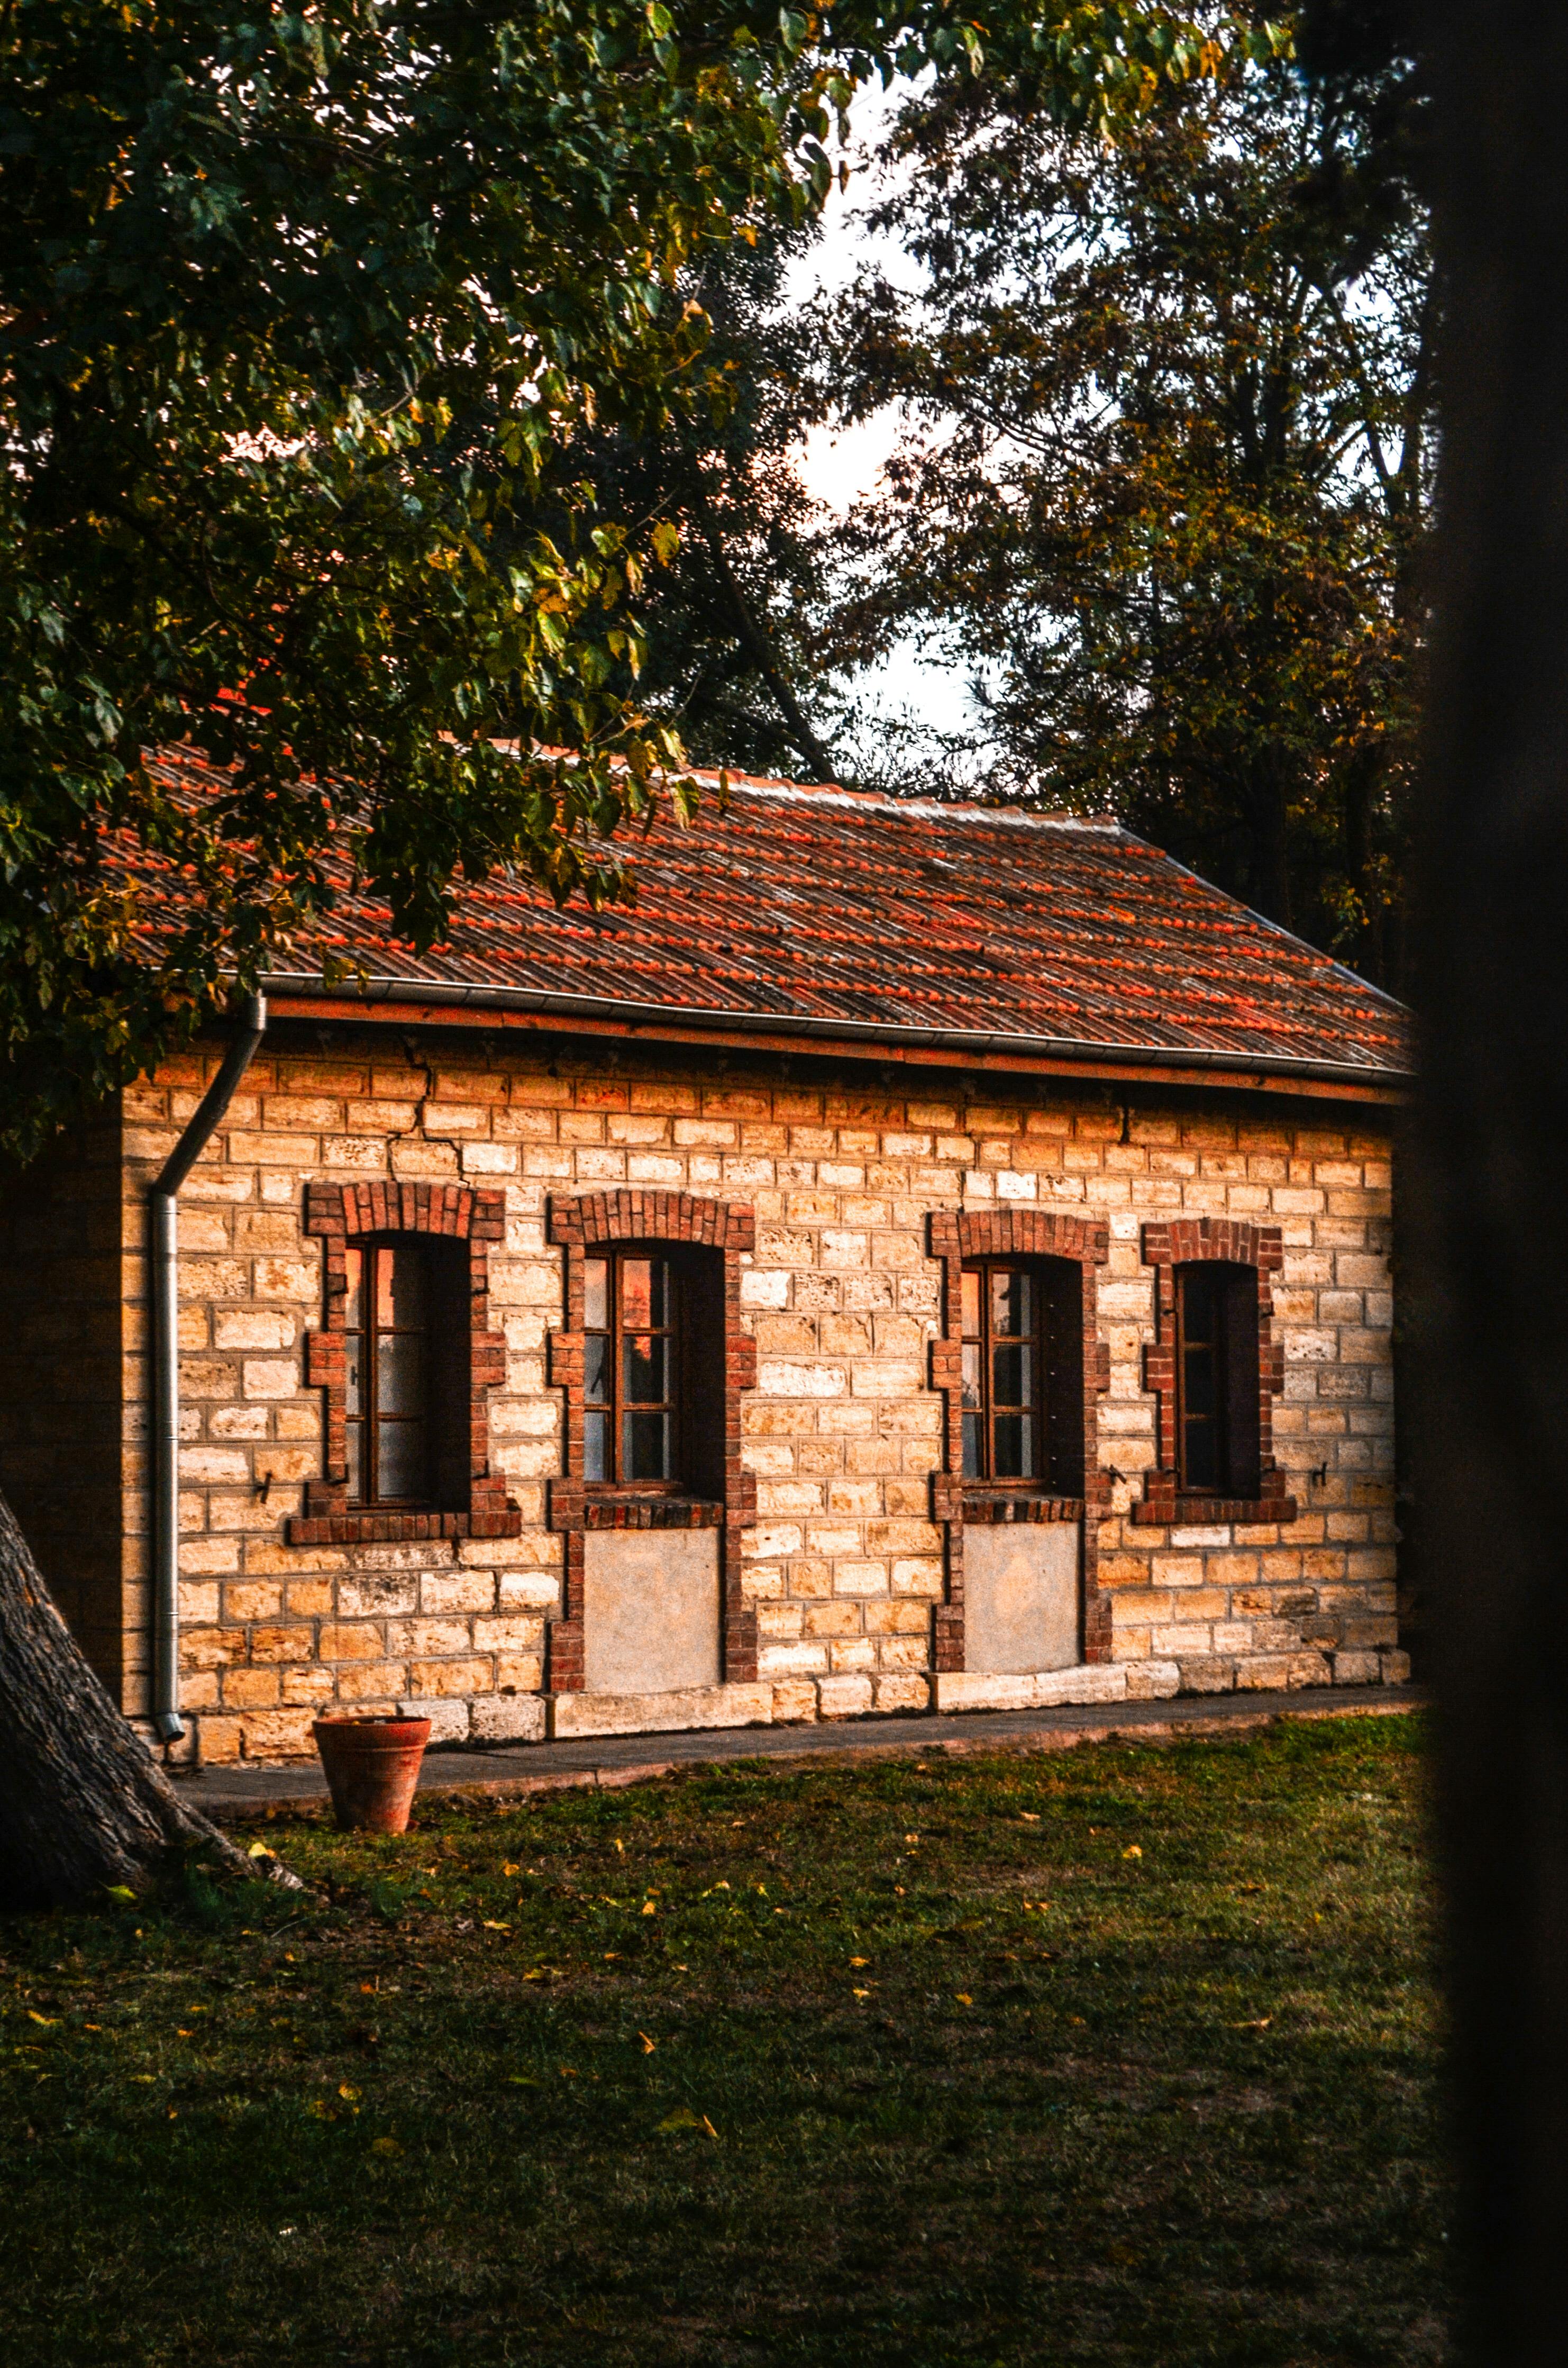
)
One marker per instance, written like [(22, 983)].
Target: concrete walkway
[(234, 1793)]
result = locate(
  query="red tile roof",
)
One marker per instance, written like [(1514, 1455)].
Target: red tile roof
[(823, 911)]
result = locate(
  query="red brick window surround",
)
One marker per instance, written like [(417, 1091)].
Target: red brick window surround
[(1061, 1256), (452, 1227), (1213, 1328), (707, 1362)]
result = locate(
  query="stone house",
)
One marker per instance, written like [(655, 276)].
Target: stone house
[(918, 1255)]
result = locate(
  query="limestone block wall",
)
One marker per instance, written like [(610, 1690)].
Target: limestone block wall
[(842, 1431)]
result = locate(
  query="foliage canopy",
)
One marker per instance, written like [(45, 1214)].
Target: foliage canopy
[(309, 317), (1170, 466)]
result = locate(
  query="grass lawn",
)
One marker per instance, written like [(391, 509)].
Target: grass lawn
[(1125, 2055)]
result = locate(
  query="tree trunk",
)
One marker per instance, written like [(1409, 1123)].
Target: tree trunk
[(1493, 1173), (1269, 865), (83, 1804), (752, 636)]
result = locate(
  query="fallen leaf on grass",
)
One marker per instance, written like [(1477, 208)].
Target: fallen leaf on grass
[(650, 1908), (1261, 2025), (648, 2044), (862, 1994), (683, 2118), (47, 2021), (1133, 1851), (1030, 1817), (121, 1891), (521, 2080), (350, 2096), (859, 1961), (963, 1998), (496, 1928)]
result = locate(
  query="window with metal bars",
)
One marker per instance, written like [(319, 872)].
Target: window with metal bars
[(1217, 1379)]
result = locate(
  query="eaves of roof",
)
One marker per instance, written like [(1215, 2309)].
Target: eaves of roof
[(422, 1001)]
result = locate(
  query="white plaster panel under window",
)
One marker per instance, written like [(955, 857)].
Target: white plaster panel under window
[(1020, 1590), (650, 1611)]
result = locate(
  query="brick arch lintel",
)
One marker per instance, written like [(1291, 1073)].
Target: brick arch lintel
[(587, 1220), (579, 1223), (1169, 1242), (337, 1214)]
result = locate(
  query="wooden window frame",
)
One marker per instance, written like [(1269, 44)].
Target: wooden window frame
[(988, 1340), (1168, 1245), (712, 1236), (368, 1499), (1017, 1236), (336, 1215), (615, 1407)]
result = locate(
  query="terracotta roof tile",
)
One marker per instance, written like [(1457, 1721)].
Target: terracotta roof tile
[(819, 906)]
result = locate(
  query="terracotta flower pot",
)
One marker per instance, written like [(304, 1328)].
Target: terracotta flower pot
[(372, 1767)]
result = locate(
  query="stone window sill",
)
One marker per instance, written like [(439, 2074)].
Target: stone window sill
[(599, 1505), (1199, 1512), (986, 1502), (369, 1527)]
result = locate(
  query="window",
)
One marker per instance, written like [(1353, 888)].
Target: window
[(632, 1363), (1023, 1373), (387, 1372), (1217, 1380), (1003, 1356)]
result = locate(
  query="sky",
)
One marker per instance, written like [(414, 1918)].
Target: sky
[(838, 468)]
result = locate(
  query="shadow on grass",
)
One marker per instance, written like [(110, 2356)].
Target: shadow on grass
[(1122, 2056)]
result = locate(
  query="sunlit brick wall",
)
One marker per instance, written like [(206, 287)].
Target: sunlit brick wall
[(842, 1431)]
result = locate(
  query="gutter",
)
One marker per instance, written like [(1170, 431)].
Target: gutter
[(163, 1208), (961, 1043)]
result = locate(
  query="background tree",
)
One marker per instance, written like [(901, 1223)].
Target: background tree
[(1171, 478), (733, 621), (308, 323)]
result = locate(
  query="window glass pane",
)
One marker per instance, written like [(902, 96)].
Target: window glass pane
[(636, 1293), (646, 1446), (1201, 1457), (400, 1287), (972, 1373), (1199, 1395), (972, 1447), (595, 1369), (971, 1304), (1012, 1303), (595, 1294), (354, 1306), (1012, 1376), (353, 1371), (353, 1450), (401, 1459), (1015, 1447), (595, 1447), (1200, 1302), (399, 1373), (645, 1358)]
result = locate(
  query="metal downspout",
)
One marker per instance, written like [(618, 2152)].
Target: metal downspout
[(163, 1286)]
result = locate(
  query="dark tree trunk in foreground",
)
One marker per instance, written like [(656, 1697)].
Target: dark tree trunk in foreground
[(83, 1805), (1494, 1165)]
